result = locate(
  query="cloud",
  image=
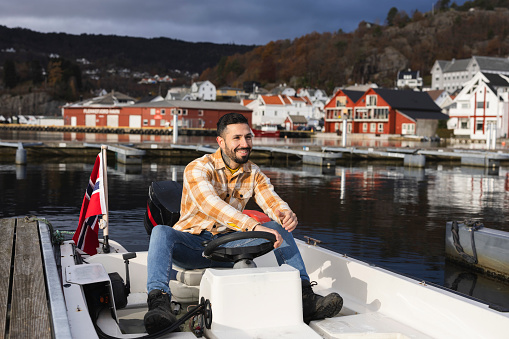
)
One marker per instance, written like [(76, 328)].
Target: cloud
[(219, 21)]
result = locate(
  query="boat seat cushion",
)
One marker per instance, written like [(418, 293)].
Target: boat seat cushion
[(189, 277)]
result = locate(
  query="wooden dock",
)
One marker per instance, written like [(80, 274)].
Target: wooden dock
[(31, 299)]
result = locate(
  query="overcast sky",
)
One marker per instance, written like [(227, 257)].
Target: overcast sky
[(219, 21)]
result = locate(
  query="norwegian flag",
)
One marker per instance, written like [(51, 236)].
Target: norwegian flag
[(86, 236)]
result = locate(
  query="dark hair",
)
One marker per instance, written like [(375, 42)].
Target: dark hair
[(229, 119)]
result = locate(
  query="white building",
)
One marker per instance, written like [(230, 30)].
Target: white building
[(482, 105), (203, 90), (409, 79), (274, 109), (452, 75), (442, 98), (318, 98)]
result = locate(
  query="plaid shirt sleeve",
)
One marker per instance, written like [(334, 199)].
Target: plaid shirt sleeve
[(266, 197)]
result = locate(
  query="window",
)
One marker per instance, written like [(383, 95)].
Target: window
[(200, 113), (380, 128), (464, 124), (152, 111), (365, 127), (372, 127), (179, 112), (184, 112), (152, 122), (371, 100), (341, 101), (479, 125), (163, 111), (480, 104), (145, 122)]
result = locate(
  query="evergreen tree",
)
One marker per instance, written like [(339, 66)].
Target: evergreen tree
[(10, 75)]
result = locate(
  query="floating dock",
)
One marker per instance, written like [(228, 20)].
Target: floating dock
[(133, 153), (31, 299)]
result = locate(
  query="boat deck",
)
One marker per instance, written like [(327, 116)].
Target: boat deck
[(25, 304)]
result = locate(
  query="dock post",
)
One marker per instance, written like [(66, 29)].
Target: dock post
[(21, 155), (343, 136), (175, 127), (414, 160)]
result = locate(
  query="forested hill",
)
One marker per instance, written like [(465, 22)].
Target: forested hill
[(372, 53), (157, 55)]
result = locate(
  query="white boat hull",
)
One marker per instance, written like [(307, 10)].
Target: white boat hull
[(377, 303)]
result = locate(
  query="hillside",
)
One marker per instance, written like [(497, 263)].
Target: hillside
[(157, 55), (372, 53)]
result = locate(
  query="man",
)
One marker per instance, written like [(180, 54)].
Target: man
[(216, 189)]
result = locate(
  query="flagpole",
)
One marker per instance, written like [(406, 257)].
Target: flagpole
[(106, 244)]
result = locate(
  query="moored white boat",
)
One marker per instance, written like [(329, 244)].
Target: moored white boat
[(377, 303)]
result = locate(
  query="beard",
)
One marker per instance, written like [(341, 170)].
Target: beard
[(233, 156)]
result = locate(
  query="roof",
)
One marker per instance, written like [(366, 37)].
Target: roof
[(454, 65), (150, 98), (413, 74), (272, 100), (497, 80), (408, 100), (218, 105), (492, 63), (111, 99), (353, 95), (434, 94), (424, 115), (298, 119)]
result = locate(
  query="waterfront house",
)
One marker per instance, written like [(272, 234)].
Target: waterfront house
[(295, 122), (104, 110), (112, 112), (480, 106), (386, 111), (274, 109)]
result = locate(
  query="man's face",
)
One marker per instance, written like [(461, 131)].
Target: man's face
[(236, 143)]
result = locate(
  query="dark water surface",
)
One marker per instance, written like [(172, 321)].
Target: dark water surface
[(391, 216)]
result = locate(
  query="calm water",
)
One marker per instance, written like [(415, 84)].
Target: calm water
[(391, 216)]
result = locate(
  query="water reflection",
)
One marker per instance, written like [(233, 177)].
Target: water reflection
[(388, 215)]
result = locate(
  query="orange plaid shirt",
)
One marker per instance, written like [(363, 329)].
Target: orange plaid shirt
[(213, 198)]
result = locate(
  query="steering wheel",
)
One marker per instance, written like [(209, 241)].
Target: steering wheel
[(213, 250)]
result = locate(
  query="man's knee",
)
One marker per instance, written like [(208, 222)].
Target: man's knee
[(162, 231)]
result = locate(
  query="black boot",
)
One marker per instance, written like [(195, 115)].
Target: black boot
[(159, 315), (316, 307)]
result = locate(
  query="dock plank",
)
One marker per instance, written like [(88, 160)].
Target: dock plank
[(30, 317), (7, 229)]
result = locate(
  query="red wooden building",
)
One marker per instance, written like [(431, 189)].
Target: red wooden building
[(384, 111), (118, 110)]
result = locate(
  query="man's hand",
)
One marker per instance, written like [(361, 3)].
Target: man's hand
[(279, 239), (288, 220)]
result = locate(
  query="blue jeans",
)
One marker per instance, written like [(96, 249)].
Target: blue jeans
[(168, 246)]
